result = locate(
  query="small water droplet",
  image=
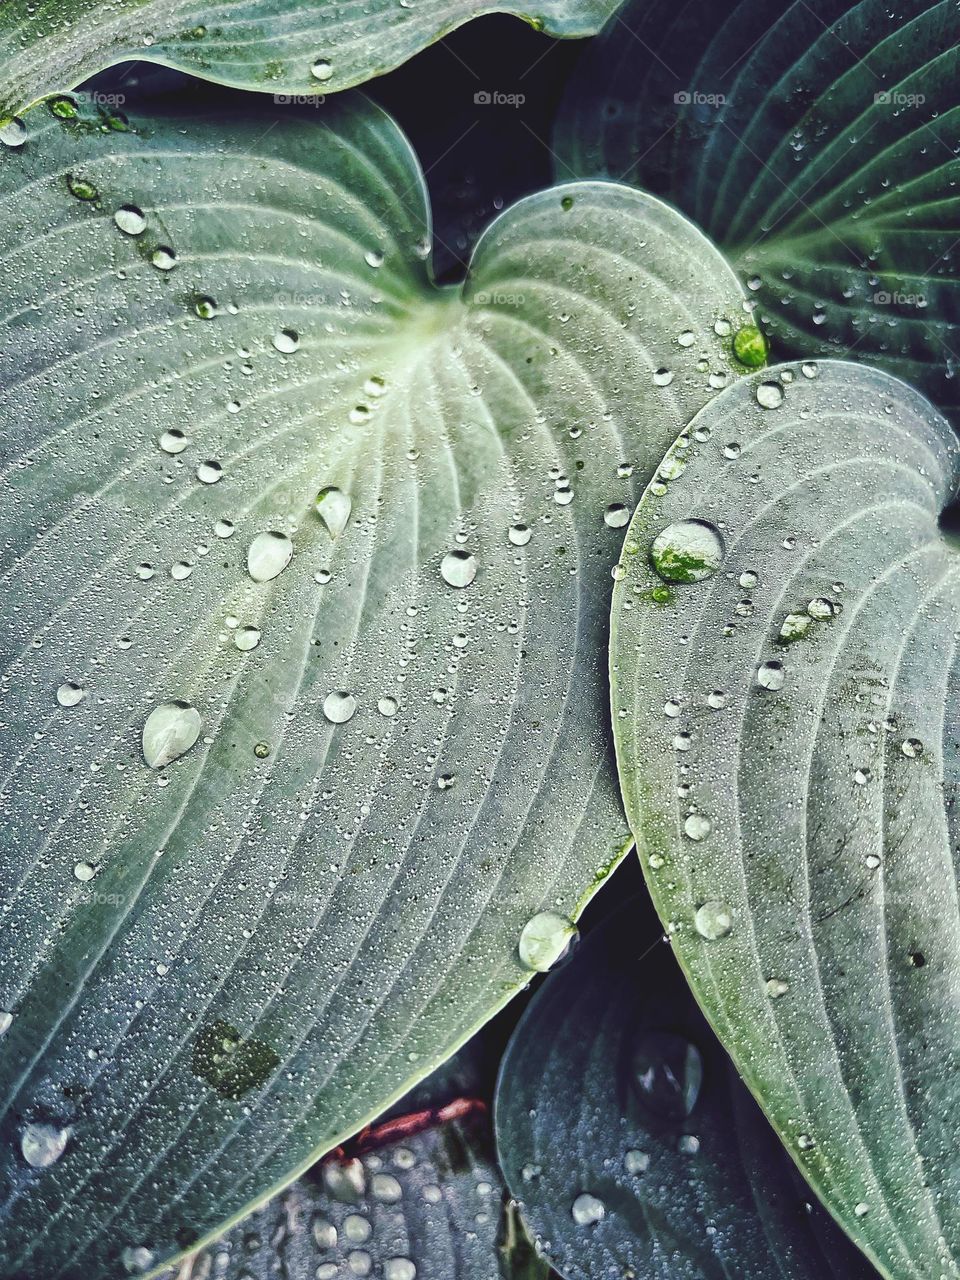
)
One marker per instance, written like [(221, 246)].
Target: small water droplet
[(6, 1021), (268, 555), (81, 187), (339, 706), (714, 920), (458, 568), (136, 1259), (171, 729), (333, 506), (321, 70), (286, 341), (209, 472), (776, 988), (688, 551), (545, 939), (688, 1144), (663, 377), (387, 707), (386, 1188)]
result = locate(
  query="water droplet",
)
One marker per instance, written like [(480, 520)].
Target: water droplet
[(821, 608), (373, 258), (771, 675), (84, 871), (209, 472), (321, 70), (6, 1021), (688, 551), (697, 826), (181, 571), (862, 1209), (750, 347), (617, 515), (268, 555), (163, 258), (446, 781), (912, 748), (458, 568), (70, 694), (43, 1144), (13, 133), (635, 1162), (171, 729), (713, 920), (545, 939), (387, 706), (663, 377), (130, 219), (399, 1269), (333, 506), (173, 441), (687, 338), (519, 534), (137, 1258), (776, 988), (81, 188), (246, 638), (667, 1074), (587, 1210), (769, 395), (386, 1188), (224, 529), (688, 1144), (805, 1142), (339, 706), (324, 1233), (356, 1228), (286, 341), (206, 308)]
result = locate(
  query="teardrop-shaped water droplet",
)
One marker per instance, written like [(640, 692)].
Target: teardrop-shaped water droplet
[(333, 506), (268, 555), (458, 568), (171, 729), (688, 551), (545, 939)]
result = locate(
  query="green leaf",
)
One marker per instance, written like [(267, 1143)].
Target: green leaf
[(787, 739), (330, 548), (816, 143), (284, 47), (631, 1143)]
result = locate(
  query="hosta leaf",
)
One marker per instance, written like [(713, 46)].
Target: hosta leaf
[(816, 141), (631, 1142), (284, 47), (269, 491), (787, 738)]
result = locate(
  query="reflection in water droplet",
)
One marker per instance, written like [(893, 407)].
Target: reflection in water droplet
[(43, 1144), (667, 1074), (339, 706), (688, 551), (458, 568), (70, 694), (545, 939), (130, 219), (713, 920), (333, 506), (268, 555), (587, 1210), (171, 729)]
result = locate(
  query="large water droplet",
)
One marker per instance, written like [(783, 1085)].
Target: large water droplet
[(171, 729), (286, 341), (399, 1269), (246, 638), (769, 395), (13, 133), (339, 706), (688, 551), (771, 675), (70, 694), (333, 507), (130, 219), (544, 939), (587, 1210), (713, 920), (667, 1074), (268, 555), (458, 568), (43, 1144)]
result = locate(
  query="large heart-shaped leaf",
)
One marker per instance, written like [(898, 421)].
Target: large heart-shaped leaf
[(784, 682), (284, 47), (307, 569), (816, 141), (632, 1144)]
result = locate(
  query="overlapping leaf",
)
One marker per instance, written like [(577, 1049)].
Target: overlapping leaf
[(287, 47), (817, 142), (632, 1144), (784, 687), (267, 490)]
